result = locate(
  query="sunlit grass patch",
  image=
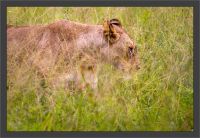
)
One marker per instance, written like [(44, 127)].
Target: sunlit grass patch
[(158, 97)]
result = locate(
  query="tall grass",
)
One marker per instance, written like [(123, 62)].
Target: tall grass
[(159, 97)]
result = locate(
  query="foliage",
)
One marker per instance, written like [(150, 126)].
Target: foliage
[(159, 97)]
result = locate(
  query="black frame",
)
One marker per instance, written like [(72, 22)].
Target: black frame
[(104, 3)]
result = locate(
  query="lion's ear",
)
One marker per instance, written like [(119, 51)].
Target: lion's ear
[(110, 32), (114, 36), (116, 22), (106, 28)]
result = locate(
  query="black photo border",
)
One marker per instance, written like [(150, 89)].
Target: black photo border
[(100, 3)]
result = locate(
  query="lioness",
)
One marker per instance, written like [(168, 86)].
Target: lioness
[(47, 42)]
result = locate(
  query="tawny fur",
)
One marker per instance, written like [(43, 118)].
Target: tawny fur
[(45, 43)]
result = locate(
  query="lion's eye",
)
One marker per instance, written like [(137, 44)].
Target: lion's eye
[(131, 50), (90, 67)]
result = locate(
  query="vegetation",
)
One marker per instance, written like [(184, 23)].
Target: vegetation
[(159, 97)]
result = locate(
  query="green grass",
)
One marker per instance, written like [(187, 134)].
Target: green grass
[(159, 97)]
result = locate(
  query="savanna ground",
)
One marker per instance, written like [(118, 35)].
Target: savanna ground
[(159, 97)]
